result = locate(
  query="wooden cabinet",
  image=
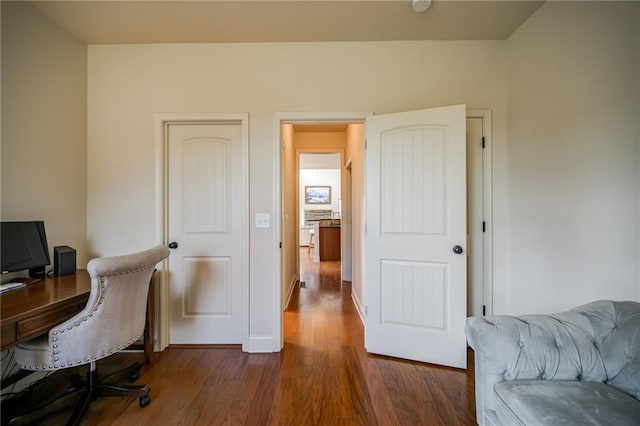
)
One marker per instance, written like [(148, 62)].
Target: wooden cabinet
[(329, 242)]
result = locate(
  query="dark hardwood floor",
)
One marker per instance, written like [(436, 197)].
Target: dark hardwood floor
[(323, 376)]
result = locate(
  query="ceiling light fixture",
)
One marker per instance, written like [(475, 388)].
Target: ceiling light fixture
[(420, 5)]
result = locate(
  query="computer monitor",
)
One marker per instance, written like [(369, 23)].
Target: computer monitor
[(24, 246)]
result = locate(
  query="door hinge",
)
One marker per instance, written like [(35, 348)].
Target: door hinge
[(280, 244), (365, 144), (483, 143), (484, 310), (484, 226), (366, 309)]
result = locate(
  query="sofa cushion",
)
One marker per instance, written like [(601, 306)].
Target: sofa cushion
[(542, 402)]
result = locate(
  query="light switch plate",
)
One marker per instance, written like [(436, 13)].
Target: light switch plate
[(263, 220)]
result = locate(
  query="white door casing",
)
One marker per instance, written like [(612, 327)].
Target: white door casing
[(479, 208), (475, 264), (207, 218), (415, 215)]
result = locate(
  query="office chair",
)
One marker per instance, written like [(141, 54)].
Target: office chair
[(113, 319)]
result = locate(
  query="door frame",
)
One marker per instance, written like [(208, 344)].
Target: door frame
[(297, 198), (487, 203), (280, 118), (361, 116), (161, 140)]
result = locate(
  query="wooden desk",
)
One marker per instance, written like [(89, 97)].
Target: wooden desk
[(32, 310)]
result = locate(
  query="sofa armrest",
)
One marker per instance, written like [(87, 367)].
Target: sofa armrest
[(530, 347)]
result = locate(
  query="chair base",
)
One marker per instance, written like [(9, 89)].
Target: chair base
[(84, 392)]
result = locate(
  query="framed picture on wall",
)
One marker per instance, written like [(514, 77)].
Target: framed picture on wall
[(317, 194)]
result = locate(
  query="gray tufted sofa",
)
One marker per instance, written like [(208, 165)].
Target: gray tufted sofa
[(580, 367)]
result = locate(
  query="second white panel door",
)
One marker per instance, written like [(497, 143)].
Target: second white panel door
[(206, 217), (416, 235)]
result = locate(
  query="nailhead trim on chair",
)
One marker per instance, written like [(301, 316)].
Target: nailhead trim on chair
[(146, 268), (96, 358), (83, 319)]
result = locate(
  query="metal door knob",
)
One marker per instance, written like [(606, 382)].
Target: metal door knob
[(457, 249), (173, 245)]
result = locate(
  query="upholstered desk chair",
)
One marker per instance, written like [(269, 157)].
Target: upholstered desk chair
[(113, 319)]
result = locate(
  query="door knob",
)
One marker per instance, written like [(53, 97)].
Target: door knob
[(456, 249), (173, 245)]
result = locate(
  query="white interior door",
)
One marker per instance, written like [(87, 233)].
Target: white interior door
[(206, 220), (415, 219)]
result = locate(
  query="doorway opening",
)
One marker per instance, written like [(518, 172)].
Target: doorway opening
[(319, 202), (287, 228), (313, 137), (316, 202)]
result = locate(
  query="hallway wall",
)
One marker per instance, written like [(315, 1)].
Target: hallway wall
[(355, 152)]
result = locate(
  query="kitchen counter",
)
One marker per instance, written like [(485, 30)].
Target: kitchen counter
[(329, 240), (329, 223)]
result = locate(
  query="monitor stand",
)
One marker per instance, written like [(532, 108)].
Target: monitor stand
[(39, 272)]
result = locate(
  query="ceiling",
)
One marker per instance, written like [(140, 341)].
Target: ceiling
[(215, 21)]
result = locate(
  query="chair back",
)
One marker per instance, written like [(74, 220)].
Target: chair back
[(114, 316)]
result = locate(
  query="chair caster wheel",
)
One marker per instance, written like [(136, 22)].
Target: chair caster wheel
[(135, 375), (145, 400)]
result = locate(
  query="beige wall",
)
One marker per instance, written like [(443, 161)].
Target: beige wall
[(573, 157), (44, 117), (355, 153), (128, 84), (289, 228), (320, 141)]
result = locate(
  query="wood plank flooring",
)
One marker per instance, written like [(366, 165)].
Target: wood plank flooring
[(323, 376)]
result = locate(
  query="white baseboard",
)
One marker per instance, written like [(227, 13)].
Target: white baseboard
[(292, 286), (358, 305), (264, 344)]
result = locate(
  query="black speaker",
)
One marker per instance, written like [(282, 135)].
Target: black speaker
[(64, 260)]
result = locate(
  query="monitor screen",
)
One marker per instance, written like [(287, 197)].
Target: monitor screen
[(24, 246)]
